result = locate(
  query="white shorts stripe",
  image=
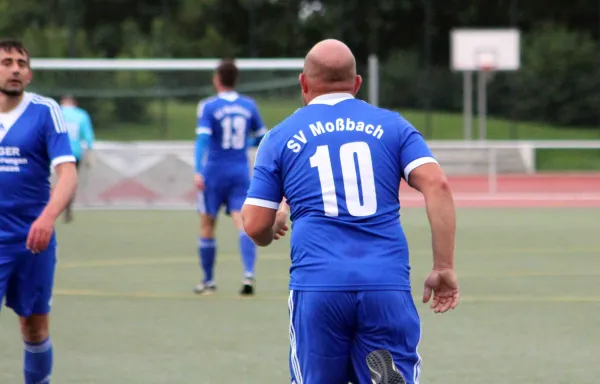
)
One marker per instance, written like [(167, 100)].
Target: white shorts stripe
[(293, 350), (200, 204), (417, 368)]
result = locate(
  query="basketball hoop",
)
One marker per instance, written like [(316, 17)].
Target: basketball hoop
[(482, 52), (486, 68), (486, 61)]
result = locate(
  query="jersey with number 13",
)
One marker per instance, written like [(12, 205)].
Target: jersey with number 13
[(230, 119), (339, 162)]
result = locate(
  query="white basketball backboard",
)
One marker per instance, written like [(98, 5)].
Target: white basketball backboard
[(485, 49)]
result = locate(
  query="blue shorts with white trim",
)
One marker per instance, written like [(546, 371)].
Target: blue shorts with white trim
[(26, 279), (331, 334), (226, 188)]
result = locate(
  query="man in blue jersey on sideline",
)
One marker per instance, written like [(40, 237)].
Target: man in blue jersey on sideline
[(33, 139), (339, 162), (80, 129), (227, 124)]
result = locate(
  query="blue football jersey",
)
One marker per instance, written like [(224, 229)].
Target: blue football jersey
[(33, 138), (230, 119), (339, 162)]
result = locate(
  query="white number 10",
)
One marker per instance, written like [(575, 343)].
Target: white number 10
[(322, 161)]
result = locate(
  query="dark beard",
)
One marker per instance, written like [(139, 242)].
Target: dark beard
[(12, 92)]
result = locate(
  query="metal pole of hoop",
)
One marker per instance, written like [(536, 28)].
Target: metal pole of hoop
[(486, 61), (492, 170)]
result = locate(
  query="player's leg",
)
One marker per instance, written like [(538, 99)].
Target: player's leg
[(29, 295), (209, 202), (248, 255), (322, 326), (38, 357), (387, 320), (235, 201), (69, 209)]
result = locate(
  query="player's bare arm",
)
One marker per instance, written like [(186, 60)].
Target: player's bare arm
[(41, 229), (259, 224), (429, 179)]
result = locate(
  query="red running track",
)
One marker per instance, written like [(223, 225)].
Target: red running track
[(540, 190)]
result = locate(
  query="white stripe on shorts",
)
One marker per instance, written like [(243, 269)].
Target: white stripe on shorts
[(200, 204), (293, 352), (417, 368)]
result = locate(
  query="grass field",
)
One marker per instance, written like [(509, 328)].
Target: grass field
[(124, 311), (180, 123)]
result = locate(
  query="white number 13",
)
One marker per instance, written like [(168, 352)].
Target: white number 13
[(234, 132), (322, 161)]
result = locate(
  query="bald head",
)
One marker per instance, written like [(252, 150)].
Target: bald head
[(330, 62), (329, 67)]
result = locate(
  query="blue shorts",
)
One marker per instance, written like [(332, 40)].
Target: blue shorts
[(331, 334), (26, 280), (228, 189)]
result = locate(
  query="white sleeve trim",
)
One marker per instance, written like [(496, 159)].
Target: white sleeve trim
[(203, 131), (62, 159), (417, 163), (260, 132), (262, 203)]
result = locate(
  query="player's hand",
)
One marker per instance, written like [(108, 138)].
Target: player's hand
[(199, 181), (443, 284), (280, 227), (40, 234)]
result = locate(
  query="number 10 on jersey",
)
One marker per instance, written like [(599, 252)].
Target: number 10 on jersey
[(322, 161)]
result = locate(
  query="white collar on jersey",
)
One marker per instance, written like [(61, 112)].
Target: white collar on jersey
[(331, 98), (7, 120), (229, 95)]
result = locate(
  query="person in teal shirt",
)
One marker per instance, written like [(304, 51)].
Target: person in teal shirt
[(79, 126)]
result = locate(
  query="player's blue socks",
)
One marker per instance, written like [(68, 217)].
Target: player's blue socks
[(207, 252), (38, 362), (248, 251)]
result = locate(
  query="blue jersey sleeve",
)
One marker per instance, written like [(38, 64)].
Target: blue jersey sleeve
[(58, 145), (257, 127), (414, 151), (202, 141), (266, 189), (203, 124), (203, 134)]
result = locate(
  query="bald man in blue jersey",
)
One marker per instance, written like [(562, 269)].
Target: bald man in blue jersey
[(339, 162)]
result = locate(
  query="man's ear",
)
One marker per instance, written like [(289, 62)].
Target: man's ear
[(357, 84), (303, 83)]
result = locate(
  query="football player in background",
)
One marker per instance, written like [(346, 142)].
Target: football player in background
[(227, 124), (79, 126)]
